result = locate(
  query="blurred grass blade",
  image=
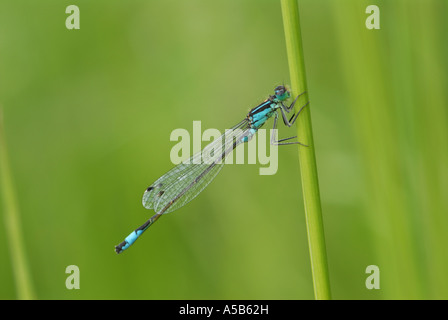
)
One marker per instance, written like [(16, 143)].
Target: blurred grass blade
[(377, 100), (307, 159), (12, 223)]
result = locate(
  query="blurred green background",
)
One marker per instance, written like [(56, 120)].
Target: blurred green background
[(88, 115)]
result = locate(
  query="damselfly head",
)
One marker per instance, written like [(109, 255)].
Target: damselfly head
[(282, 93)]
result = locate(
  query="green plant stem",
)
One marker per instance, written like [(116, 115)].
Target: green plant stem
[(22, 278), (307, 158)]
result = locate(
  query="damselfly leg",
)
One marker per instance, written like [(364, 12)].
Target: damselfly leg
[(287, 123)]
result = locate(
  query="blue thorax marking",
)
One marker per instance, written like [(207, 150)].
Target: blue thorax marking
[(259, 108), (260, 114)]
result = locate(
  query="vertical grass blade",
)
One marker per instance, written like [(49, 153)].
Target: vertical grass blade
[(12, 223), (307, 158)]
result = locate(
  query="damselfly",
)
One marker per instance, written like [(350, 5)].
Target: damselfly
[(184, 182)]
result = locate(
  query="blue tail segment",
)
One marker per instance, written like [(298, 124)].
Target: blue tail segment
[(134, 235), (130, 239)]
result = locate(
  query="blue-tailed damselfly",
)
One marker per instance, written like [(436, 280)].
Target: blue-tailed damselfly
[(184, 182)]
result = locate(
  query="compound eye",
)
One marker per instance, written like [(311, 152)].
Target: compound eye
[(280, 90)]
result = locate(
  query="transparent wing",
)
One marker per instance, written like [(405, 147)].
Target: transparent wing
[(184, 182)]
